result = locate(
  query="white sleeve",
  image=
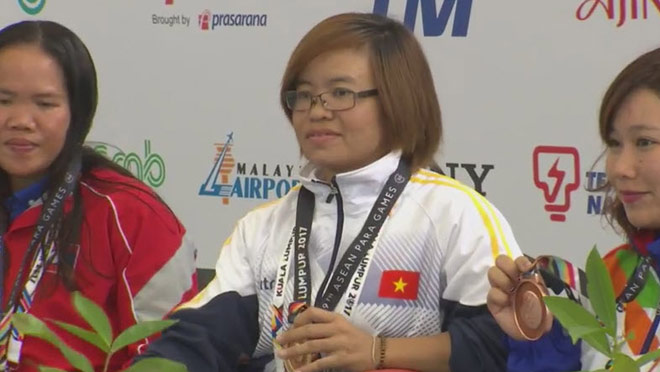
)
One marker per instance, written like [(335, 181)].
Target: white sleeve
[(233, 272), (476, 235)]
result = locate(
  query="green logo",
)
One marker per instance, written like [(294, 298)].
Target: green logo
[(32, 7), (149, 168)]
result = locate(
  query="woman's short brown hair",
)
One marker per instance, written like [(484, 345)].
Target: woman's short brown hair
[(642, 73), (401, 74)]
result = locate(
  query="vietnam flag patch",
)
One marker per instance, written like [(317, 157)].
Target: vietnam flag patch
[(399, 284)]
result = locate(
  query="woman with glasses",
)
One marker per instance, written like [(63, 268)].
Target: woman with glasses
[(375, 261)]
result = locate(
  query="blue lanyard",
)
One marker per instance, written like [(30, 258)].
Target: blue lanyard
[(654, 328), (2, 267)]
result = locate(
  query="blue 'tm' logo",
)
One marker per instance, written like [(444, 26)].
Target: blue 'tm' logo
[(434, 22)]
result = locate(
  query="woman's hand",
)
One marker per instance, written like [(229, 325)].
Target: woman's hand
[(503, 278), (340, 343)]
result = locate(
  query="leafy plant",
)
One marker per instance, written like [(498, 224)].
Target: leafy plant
[(100, 336), (599, 330)]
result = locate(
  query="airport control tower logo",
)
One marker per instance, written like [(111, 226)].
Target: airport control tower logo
[(230, 178)]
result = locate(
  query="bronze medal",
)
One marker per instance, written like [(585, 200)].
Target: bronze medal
[(528, 307), (293, 364)]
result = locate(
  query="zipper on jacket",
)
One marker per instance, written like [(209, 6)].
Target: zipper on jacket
[(340, 228), (334, 190)]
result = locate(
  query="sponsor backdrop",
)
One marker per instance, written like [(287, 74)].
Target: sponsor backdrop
[(188, 100)]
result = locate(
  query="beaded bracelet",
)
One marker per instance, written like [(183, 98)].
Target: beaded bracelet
[(381, 359)]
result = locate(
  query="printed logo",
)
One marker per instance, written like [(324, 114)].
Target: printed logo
[(211, 21), (149, 168), (229, 178), (204, 19), (32, 7), (556, 173), (476, 172), (619, 10), (434, 22), (266, 284), (170, 20), (596, 200)]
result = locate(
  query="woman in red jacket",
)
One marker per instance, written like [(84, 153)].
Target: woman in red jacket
[(69, 218)]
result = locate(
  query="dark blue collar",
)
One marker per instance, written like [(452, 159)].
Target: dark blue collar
[(654, 249), (23, 199)]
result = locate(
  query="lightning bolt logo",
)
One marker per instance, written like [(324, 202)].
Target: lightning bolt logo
[(566, 179), (559, 176)]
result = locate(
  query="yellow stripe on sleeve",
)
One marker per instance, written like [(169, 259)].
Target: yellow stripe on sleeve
[(450, 182)]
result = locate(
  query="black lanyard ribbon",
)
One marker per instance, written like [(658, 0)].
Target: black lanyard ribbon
[(357, 250)]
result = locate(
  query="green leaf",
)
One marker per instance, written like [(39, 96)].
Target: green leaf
[(623, 363), (28, 324), (139, 331), (648, 357), (157, 364), (94, 316), (599, 342), (584, 331), (84, 334), (579, 322), (50, 369), (601, 292)]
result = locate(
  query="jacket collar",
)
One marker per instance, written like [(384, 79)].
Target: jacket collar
[(647, 243), (25, 199), (357, 187)]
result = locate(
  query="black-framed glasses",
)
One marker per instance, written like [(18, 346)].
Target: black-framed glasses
[(338, 99)]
